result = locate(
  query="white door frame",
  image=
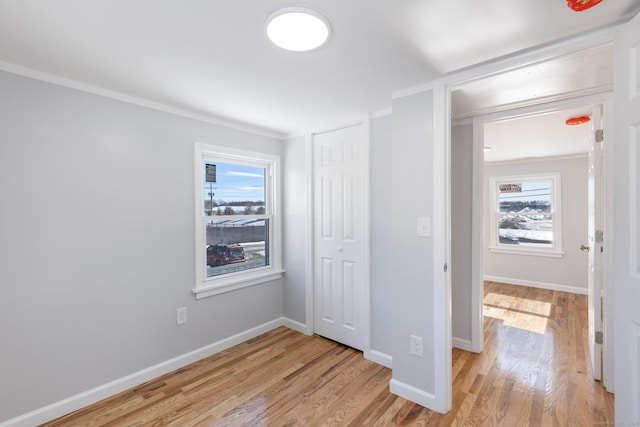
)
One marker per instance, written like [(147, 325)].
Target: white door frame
[(442, 137), (310, 265)]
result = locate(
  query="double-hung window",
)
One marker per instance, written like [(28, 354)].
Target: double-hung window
[(525, 215), (237, 219)]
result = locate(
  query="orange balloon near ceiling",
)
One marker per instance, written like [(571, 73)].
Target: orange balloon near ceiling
[(578, 120), (580, 5)]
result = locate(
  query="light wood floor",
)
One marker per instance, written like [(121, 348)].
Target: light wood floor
[(534, 371)]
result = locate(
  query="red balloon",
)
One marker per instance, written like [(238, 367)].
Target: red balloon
[(578, 120), (580, 5)]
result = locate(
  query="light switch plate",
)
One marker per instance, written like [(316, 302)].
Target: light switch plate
[(424, 227)]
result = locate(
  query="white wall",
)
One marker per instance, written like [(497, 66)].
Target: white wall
[(97, 243), (567, 273), (461, 216)]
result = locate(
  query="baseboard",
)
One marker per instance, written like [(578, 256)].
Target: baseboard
[(296, 326), (73, 403), (380, 358), (461, 344), (541, 285), (409, 392)]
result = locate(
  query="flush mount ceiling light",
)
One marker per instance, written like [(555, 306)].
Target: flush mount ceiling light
[(298, 29)]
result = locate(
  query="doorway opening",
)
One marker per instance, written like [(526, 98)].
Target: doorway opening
[(519, 198), (471, 117)]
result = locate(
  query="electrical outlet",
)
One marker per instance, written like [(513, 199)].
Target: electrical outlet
[(416, 346), (181, 316)]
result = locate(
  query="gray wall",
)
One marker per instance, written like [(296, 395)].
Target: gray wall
[(380, 155), (461, 215), (97, 243), (411, 262), (571, 269), (294, 227)]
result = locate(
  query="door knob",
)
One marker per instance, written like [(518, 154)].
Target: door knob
[(584, 248), (339, 248)]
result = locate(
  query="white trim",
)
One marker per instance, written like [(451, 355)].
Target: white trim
[(366, 312), (537, 101), (341, 124), (526, 251), (414, 394), (607, 226), (310, 252), (297, 326), (539, 285), (380, 113), (632, 140), (441, 164), (425, 87), (539, 159), (107, 93), (380, 358), (336, 125), (242, 280), (80, 400), (461, 122), (463, 344)]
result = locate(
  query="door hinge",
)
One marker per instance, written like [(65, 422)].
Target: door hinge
[(599, 337), (599, 135)]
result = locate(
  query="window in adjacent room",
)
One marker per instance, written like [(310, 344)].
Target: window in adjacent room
[(237, 222), (525, 214)]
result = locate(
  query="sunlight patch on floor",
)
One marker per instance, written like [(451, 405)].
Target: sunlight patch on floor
[(521, 313)]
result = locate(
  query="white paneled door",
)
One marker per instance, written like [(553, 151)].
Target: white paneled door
[(339, 274), (626, 223)]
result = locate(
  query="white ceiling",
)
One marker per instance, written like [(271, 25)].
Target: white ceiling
[(580, 74), (541, 135), (211, 57)]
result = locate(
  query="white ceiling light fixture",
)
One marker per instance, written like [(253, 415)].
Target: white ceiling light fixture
[(298, 29)]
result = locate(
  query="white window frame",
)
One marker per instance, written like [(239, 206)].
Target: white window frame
[(215, 285), (556, 190)]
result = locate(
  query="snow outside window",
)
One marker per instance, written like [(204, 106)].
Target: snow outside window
[(525, 214)]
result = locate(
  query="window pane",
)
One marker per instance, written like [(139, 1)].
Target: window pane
[(232, 189), (525, 216), (236, 245)]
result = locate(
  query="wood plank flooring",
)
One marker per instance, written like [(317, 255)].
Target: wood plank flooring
[(534, 371)]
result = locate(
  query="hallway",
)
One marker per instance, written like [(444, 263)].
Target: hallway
[(535, 369)]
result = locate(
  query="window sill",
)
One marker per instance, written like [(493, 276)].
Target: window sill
[(228, 284), (550, 253)]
